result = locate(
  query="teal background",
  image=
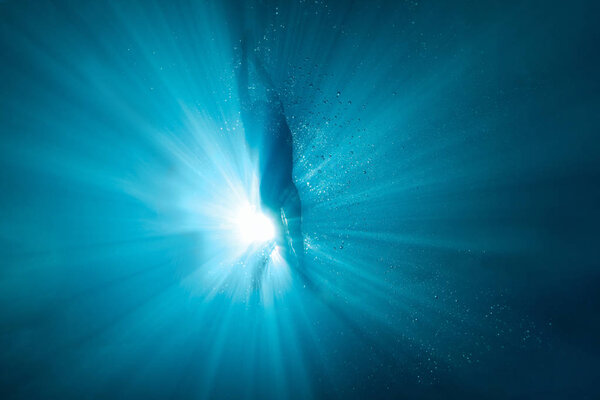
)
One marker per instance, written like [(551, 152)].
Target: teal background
[(446, 154)]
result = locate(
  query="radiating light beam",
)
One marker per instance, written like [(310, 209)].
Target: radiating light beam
[(253, 226)]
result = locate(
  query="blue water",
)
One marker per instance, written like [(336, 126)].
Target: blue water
[(446, 155)]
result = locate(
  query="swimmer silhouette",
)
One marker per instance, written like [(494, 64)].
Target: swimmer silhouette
[(270, 140)]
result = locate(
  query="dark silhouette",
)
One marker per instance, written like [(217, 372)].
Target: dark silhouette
[(270, 140)]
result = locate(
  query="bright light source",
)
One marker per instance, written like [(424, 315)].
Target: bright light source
[(254, 226)]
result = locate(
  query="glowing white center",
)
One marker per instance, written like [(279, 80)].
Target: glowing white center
[(254, 226)]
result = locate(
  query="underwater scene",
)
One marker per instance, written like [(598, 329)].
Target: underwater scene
[(299, 199)]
